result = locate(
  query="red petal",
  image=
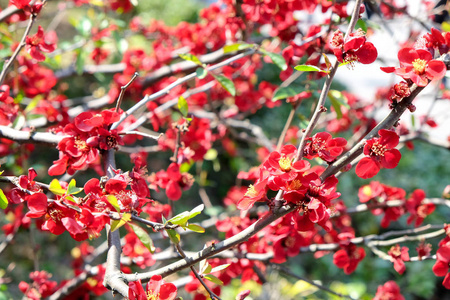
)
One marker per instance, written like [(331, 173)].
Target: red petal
[(391, 159), (37, 204), (440, 268), (388, 138), (367, 168), (424, 54), (367, 54), (173, 190), (406, 56), (387, 69), (436, 69)]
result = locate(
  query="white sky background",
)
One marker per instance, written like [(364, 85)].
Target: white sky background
[(364, 80)]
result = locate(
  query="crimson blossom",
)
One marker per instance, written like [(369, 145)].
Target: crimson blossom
[(157, 289), (380, 153), (417, 65), (399, 256), (354, 48), (388, 291), (442, 265), (349, 256), (36, 44)]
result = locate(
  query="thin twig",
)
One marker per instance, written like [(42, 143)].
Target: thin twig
[(123, 89)]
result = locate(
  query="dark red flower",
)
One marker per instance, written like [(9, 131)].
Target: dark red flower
[(417, 209), (172, 180), (381, 152), (40, 288), (418, 65)]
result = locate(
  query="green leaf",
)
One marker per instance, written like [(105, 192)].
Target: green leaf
[(276, 58), (327, 61), (226, 84), (285, 92), (197, 210), (173, 235), (34, 102), (55, 188), (309, 68), (79, 65), (70, 198), (337, 100), (183, 106), (205, 267), (3, 200), (196, 228), (144, 237), (201, 72), (213, 279), (116, 224), (361, 24), (236, 47), (219, 268), (72, 189), (413, 121), (190, 57), (113, 201), (180, 219)]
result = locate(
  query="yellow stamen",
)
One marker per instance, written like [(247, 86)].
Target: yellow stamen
[(419, 66), (251, 192), (285, 164)]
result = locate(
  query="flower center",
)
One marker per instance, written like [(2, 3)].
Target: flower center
[(314, 191), (295, 184), (378, 149), (419, 66), (151, 296), (251, 192), (285, 164), (318, 145), (80, 144), (289, 242)]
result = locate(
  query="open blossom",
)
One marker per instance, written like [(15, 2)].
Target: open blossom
[(442, 265), (417, 209), (399, 256), (349, 256), (36, 44), (324, 146), (418, 65), (388, 291), (354, 48), (381, 153), (157, 289)]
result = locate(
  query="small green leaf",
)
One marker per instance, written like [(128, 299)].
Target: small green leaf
[(219, 268), (236, 47), (183, 106), (445, 26), (190, 57), (70, 198), (361, 24), (55, 188), (3, 200), (196, 228), (113, 201), (201, 72), (344, 63), (309, 68), (79, 65), (327, 61), (413, 121), (72, 189), (276, 58), (197, 210), (285, 92), (337, 100), (116, 224), (173, 235), (213, 279), (226, 84), (180, 219), (34, 102), (144, 237)]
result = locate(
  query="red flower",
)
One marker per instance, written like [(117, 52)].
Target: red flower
[(36, 45), (254, 193), (388, 291), (441, 267), (324, 146), (418, 65), (157, 289), (381, 153), (172, 180), (349, 256), (354, 49), (41, 287), (399, 256), (417, 209)]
